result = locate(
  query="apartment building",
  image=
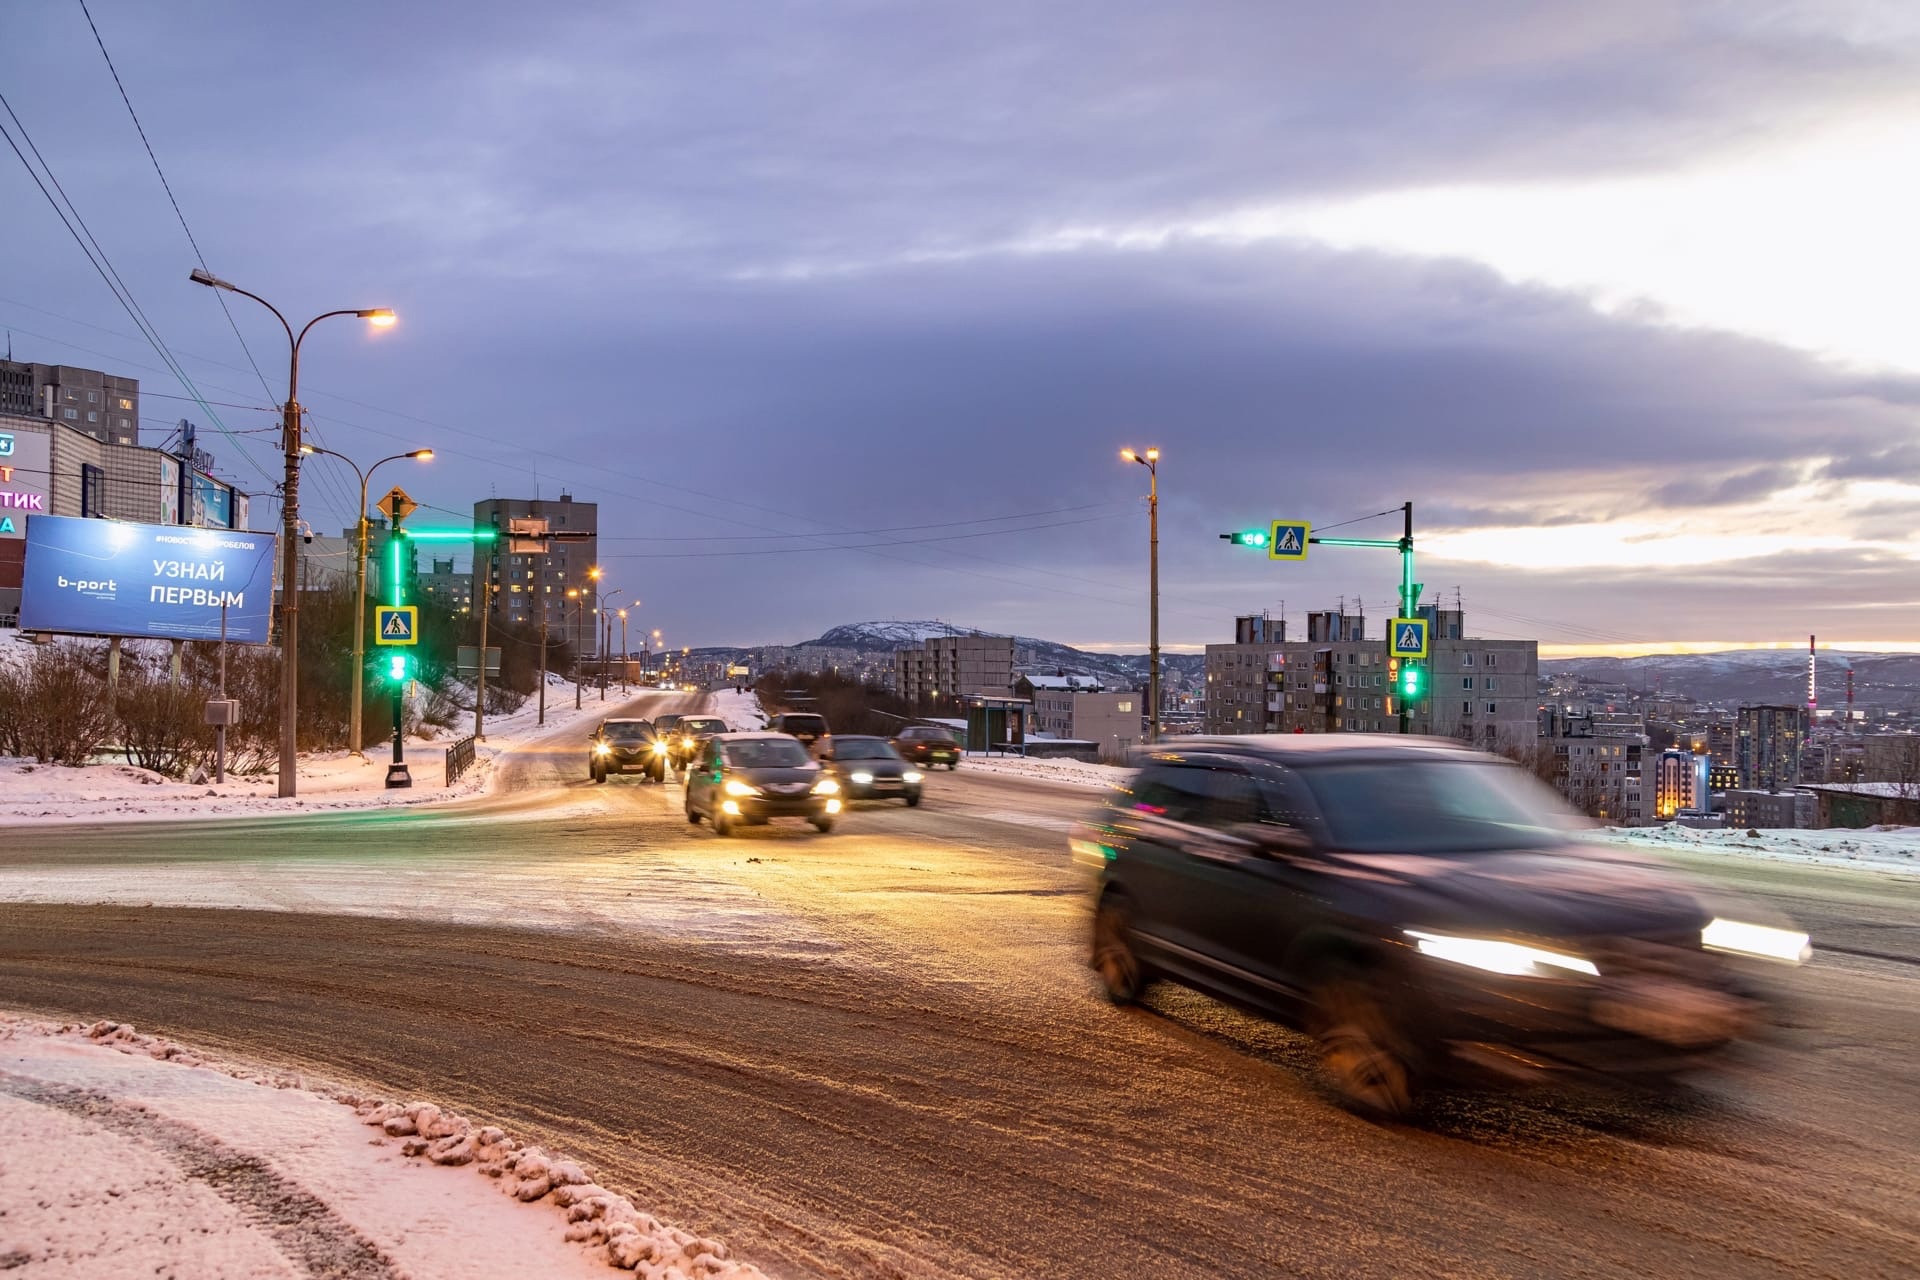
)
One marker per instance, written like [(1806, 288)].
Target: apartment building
[(954, 666), (529, 582)]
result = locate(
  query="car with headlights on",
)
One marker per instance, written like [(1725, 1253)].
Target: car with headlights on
[(687, 733), (626, 746), (1428, 913), (928, 745), (809, 728), (748, 779), (870, 769)]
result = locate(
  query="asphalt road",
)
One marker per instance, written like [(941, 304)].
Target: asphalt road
[(877, 1053)]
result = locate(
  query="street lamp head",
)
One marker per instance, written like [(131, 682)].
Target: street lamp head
[(1129, 455), (1153, 455), (201, 276), (421, 455), (594, 573), (379, 317), (572, 592), (305, 447)]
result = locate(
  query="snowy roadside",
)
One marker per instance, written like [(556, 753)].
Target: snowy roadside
[(1077, 773), (131, 1155), (328, 781), (1884, 849)]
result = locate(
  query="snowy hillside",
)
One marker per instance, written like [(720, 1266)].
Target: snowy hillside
[(1752, 675)]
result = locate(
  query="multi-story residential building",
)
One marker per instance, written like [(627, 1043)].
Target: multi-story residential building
[(105, 406), (1762, 809), (1606, 776), (529, 583), (448, 588), (1483, 692), (1681, 784), (954, 666), (1768, 744)]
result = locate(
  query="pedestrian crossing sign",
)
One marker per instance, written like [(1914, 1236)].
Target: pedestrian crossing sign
[(1407, 638), (1289, 540), (396, 624)]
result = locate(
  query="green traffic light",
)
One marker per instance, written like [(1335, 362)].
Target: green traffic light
[(1256, 538), (1412, 682), (397, 667)]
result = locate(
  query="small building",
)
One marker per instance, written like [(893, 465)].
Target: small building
[(1079, 708), (1760, 810), (1867, 804)]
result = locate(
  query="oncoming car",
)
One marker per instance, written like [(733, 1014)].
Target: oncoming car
[(1428, 913), (750, 778), (683, 742), (870, 769), (625, 746), (928, 745)]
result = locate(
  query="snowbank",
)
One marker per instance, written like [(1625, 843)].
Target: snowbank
[(741, 711), (1875, 848), (327, 781), (130, 1155), (1077, 773)]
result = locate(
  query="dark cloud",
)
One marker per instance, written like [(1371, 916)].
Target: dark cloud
[(730, 271)]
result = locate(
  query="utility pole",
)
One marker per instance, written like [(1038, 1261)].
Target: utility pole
[(580, 652), (1150, 459), (480, 689), (624, 651), (546, 607)]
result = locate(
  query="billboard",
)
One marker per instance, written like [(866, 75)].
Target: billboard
[(25, 471), (113, 578), (212, 503)]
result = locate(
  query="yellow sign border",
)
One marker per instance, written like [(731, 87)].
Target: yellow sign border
[(1393, 635), (1273, 539), (380, 613)]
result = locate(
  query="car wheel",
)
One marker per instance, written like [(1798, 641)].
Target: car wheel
[(913, 801), (692, 817), (823, 825), (1360, 1053), (1116, 958), (598, 774), (722, 825)]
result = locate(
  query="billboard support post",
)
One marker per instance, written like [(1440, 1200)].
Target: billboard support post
[(113, 671), (173, 666), (220, 731)]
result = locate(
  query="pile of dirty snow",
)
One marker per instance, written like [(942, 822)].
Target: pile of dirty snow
[(1874, 848)]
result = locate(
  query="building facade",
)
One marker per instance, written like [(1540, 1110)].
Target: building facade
[(1768, 745), (954, 666), (447, 587), (1681, 783), (1763, 809), (105, 406), (1081, 709), (528, 582)]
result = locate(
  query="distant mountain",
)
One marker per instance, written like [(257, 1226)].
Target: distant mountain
[(1751, 675), (1031, 655)]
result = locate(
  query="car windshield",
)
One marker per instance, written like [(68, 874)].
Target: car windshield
[(803, 724), (766, 753), (629, 730), (693, 724), (863, 749), (1436, 806), (931, 735)]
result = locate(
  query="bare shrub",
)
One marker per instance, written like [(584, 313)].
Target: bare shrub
[(162, 723)]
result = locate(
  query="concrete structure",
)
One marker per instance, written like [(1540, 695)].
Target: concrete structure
[(1075, 707), (1606, 776), (1482, 692), (954, 666), (1767, 748), (1763, 809), (104, 406), (1681, 782), (450, 589), (47, 467), (527, 583), (1866, 804)]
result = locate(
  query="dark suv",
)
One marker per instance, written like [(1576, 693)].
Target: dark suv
[(1426, 912), (745, 779), (626, 746)]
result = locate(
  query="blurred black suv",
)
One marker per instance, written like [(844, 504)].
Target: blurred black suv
[(1428, 913)]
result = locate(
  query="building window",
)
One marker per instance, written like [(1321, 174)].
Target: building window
[(1466, 708), (1491, 659), (1122, 707), (93, 415), (125, 403), (93, 397), (1466, 682), (1492, 709), (93, 483), (1466, 659), (72, 415)]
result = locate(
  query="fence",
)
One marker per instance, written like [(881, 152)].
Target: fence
[(459, 759)]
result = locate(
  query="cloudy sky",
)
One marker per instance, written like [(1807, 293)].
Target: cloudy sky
[(843, 310)]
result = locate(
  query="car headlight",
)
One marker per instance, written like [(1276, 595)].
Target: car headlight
[(912, 775), (602, 749), (735, 787), (862, 778), (1758, 940), (826, 787), (1511, 958), (687, 743), (659, 748)]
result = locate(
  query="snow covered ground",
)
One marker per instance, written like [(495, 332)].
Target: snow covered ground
[(126, 1155), (1076, 773), (328, 781), (1875, 848)]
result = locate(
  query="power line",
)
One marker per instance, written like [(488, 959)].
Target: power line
[(97, 256)]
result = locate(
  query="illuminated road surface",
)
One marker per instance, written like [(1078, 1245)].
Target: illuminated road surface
[(877, 1053)]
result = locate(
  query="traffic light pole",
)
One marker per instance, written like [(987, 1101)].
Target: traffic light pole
[(397, 775), (1409, 595)]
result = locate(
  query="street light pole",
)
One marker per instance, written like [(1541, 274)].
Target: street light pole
[(623, 651), (1150, 459), (355, 740), (290, 521)]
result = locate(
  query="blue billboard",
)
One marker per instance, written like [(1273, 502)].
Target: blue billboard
[(167, 582)]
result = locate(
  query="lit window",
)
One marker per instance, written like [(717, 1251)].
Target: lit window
[(125, 403)]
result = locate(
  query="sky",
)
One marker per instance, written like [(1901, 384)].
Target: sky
[(844, 310)]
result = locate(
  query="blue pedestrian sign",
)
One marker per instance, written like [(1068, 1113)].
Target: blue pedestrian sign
[(1407, 638), (1288, 540), (396, 624)]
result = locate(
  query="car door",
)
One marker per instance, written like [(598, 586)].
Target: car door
[(1271, 891), (1161, 815), (700, 782)]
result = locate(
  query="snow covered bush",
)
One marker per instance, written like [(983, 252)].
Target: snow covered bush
[(55, 709), (161, 723)]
